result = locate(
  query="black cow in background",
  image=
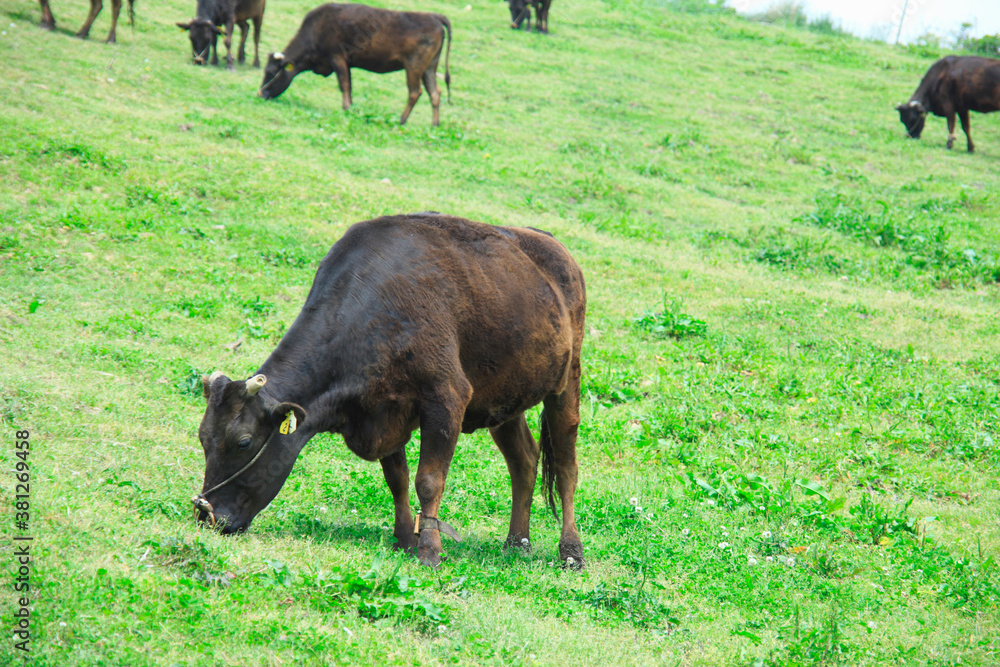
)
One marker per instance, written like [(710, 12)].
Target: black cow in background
[(49, 22), (953, 85), (335, 38), (217, 17), (520, 12)]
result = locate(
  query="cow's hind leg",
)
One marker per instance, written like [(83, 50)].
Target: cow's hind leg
[(430, 83), (397, 476), (521, 453), (951, 129), (241, 56), (48, 21), (95, 9), (116, 8), (964, 117), (228, 42), (560, 420), (441, 415), (413, 83)]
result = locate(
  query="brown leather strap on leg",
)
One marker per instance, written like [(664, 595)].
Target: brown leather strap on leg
[(422, 523)]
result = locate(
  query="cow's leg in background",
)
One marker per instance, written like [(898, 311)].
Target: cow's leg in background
[(440, 424), (520, 451), (257, 20), (560, 420), (116, 8), (430, 83), (344, 81), (413, 83), (397, 476), (543, 13), (964, 117), (48, 21), (951, 129), (95, 9), (228, 41), (241, 56), (215, 51)]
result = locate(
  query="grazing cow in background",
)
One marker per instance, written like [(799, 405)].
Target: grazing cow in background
[(413, 321), (953, 85), (520, 11), (49, 22), (217, 17), (335, 38)]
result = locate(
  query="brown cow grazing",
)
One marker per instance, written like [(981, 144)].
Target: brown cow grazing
[(217, 17), (335, 38), (520, 11), (49, 21), (413, 321), (953, 85)]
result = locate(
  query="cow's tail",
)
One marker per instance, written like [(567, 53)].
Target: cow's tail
[(548, 466), (131, 14), (447, 73)]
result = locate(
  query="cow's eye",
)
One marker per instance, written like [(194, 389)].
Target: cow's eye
[(245, 442)]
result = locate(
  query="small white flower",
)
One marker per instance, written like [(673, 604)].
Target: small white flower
[(816, 440), (349, 633), (110, 80), (768, 559), (685, 532), (872, 625), (634, 501), (524, 541), (722, 528), (638, 508), (725, 533), (766, 534), (751, 561), (62, 624), (723, 545), (790, 562), (649, 514), (354, 511), (684, 516), (710, 503), (570, 560)]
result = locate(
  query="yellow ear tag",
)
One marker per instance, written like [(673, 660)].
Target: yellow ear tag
[(289, 425), (289, 67)]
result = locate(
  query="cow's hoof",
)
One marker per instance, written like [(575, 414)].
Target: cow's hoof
[(431, 560), (82, 35), (44, 25), (256, 64), (111, 40), (515, 542), (572, 556)]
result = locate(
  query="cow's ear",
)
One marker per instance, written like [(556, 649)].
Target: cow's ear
[(208, 380), (184, 26), (900, 106), (287, 417)]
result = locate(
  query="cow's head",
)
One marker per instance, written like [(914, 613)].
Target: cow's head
[(203, 34), (249, 450), (912, 115), (519, 11), (278, 75)]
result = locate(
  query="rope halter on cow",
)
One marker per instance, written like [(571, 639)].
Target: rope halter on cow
[(422, 523)]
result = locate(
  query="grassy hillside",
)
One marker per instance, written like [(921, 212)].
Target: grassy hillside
[(789, 450)]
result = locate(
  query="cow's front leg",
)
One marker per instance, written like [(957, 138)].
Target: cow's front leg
[(964, 117), (440, 424), (951, 130), (48, 21), (116, 8), (397, 476), (241, 55), (344, 80), (95, 9), (228, 41), (413, 83), (430, 84)]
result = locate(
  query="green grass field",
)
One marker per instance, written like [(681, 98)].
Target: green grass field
[(789, 447)]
